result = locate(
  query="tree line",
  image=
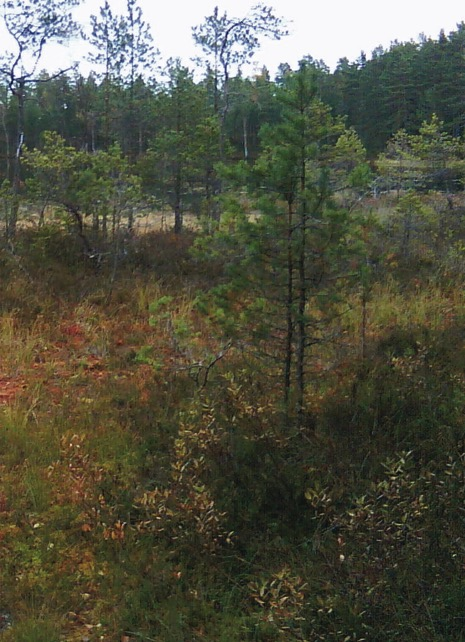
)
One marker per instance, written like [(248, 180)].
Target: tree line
[(173, 127), (397, 88)]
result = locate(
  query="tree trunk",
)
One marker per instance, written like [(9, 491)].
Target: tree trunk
[(289, 311), (244, 132), (301, 324), (302, 288), (7, 138), (12, 218)]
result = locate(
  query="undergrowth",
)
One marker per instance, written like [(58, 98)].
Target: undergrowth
[(152, 489)]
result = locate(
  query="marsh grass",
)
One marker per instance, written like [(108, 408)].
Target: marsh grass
[(34, 629), (22, 437), (95, 426), (17, 345)]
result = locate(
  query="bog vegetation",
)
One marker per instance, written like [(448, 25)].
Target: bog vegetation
[(232, 341)]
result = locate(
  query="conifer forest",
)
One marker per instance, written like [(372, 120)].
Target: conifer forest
[(232, 337)]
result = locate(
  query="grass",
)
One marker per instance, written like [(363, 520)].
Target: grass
[(136, 504)]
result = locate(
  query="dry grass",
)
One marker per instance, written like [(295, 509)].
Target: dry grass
[(100, 405), (145, 221)]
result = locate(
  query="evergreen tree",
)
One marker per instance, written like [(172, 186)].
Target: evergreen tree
[(31, 24), (253, 103), (122, 47), (430, 159), (283, 266), (141, 63), (173, 165), (108, 40), (228, 43), (99, 186)]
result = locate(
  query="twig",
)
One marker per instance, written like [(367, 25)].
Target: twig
[(195, 369), (9, 247), (141, 636)]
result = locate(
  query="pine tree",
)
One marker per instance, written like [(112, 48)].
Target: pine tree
[(122, 48), (31, 24), (174, 166), (283, 266), (228, 43)]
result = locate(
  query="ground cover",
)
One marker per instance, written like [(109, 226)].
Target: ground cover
[(151, 490)]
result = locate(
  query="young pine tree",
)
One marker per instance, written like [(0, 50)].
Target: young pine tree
[(284, 267)]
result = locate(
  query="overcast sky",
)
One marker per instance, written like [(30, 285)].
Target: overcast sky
[(324, 30)]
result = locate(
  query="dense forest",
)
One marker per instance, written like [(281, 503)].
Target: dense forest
[(232, 323)]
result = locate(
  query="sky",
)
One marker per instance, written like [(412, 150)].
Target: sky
[(325, 30)]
